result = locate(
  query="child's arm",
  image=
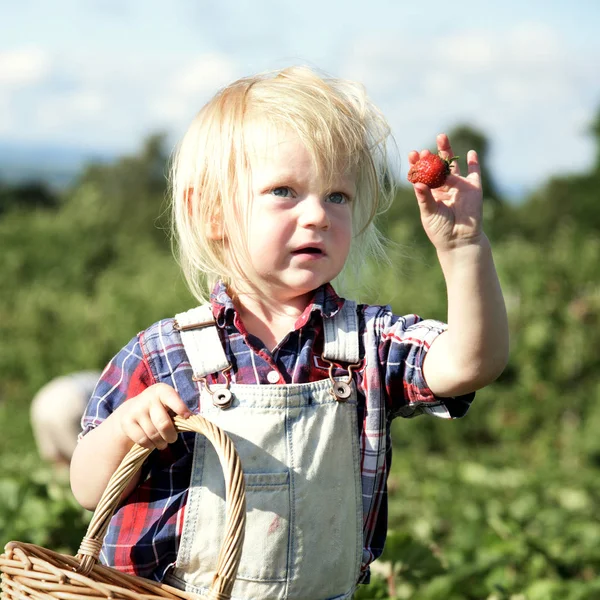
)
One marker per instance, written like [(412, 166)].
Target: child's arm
[(474, 350), (144, 420)]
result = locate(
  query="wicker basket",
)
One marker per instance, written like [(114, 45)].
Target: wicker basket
[(30, 571)]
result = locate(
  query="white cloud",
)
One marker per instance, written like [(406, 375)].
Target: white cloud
[(87, 103), (528, 88), (207, 72), (190, 86), (70, 110), (524, 87), (535, 44), (467, 54), (112, 101), (21, 68)]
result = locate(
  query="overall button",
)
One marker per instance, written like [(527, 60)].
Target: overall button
[(273, 376)]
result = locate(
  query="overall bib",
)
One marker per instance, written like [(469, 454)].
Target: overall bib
[(299, 449)]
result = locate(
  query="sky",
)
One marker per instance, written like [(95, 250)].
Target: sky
[(103, 75)]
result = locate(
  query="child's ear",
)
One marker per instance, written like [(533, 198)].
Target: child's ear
[(188, 197), (214, 230)]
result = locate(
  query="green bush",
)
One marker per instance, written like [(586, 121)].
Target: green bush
[(499, 505)]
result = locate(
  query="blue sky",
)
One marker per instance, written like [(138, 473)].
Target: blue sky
[(104, 74)]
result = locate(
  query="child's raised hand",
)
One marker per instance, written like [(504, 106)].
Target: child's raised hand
[(146, 420), (451, 214)]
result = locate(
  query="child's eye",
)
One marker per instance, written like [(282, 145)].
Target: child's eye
[(337, 198), (282, 192)]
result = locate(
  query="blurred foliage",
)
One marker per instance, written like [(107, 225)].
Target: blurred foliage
[(499, 505), (34, 194)]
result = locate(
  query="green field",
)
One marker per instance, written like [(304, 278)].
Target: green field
[(499, 505)]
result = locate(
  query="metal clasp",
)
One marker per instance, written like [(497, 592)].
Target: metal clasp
[(341, 389), (198, 325), (221, 397)]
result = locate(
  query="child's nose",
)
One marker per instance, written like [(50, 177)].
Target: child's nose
[(314, 213)]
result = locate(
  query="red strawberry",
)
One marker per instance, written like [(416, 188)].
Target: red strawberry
[(431, 170)]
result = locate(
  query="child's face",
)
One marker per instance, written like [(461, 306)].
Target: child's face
[(300, 229)]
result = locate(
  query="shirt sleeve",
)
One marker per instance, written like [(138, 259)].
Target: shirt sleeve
[(126, 375), (402, 344)]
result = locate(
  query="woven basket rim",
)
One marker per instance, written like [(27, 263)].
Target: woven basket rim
[(31, 571)]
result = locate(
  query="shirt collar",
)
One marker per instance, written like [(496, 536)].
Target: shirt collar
[(222, 305), (325, 302)]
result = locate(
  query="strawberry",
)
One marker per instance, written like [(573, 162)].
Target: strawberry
[(431, 170)]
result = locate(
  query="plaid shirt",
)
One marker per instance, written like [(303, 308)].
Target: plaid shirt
[(143, 536)]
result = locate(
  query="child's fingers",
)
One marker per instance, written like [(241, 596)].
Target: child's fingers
[(427, 203), (163, 423), (473, 166), (143, 433), (445, 151), (170, 398), (154, 437), (413, 157), (146, 420)]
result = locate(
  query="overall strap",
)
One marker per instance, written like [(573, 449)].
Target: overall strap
[(341, 335), (201, 341)]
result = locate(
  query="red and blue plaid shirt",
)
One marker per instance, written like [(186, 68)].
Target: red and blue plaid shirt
[(143, 536)]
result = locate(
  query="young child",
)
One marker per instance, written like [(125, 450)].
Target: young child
[(275, 184)]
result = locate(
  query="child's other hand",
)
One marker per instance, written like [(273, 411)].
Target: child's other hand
[(146, 420), (451, 214)]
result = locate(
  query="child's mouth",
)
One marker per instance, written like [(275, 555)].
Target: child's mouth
[(309, 250)]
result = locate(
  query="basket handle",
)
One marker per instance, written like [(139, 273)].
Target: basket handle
[(235, 518)]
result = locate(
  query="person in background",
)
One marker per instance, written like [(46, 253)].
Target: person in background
[(56, 412)]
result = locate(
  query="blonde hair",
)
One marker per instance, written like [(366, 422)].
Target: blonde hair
[(210, 175)]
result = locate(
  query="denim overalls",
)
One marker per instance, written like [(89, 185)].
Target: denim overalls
[(299, 449)]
